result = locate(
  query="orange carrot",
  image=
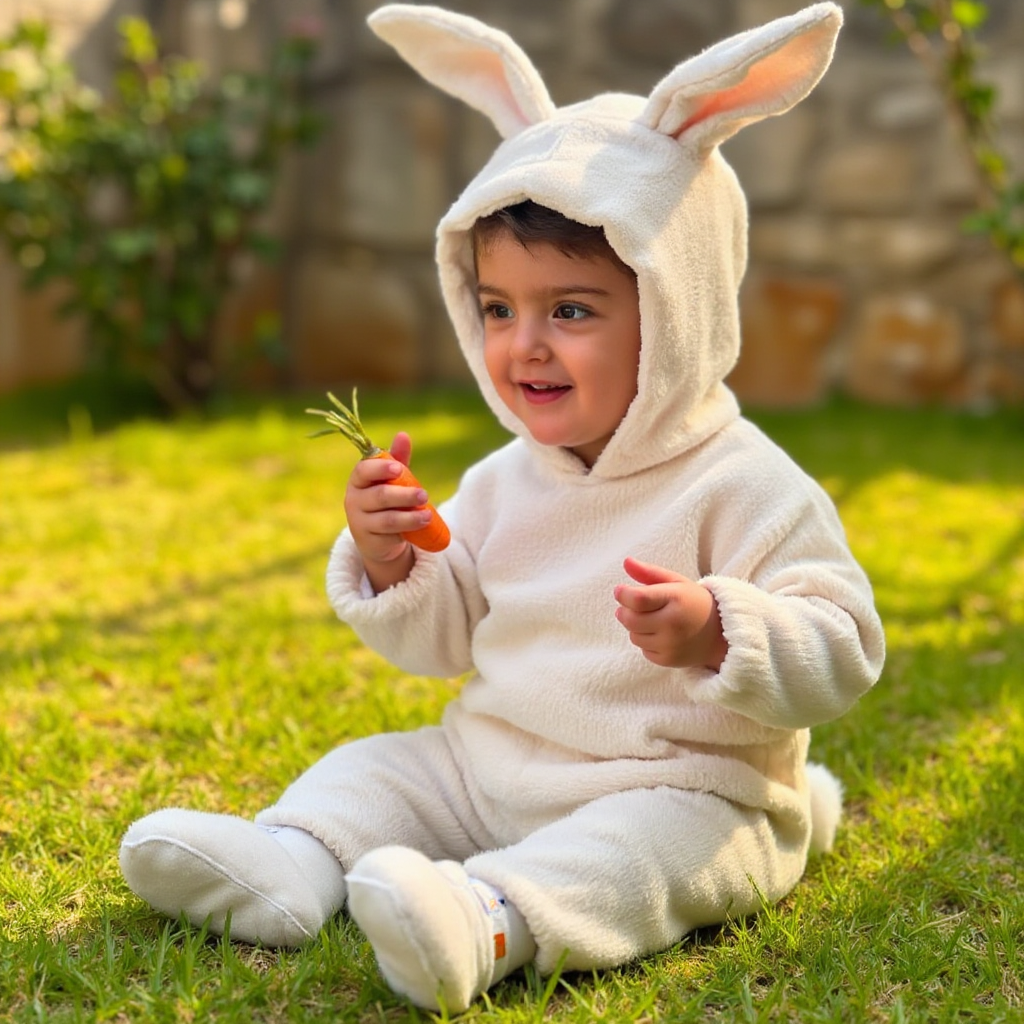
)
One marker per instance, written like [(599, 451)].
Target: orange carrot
[(432, 537)]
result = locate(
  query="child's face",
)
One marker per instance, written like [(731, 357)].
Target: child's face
[(561, 341)]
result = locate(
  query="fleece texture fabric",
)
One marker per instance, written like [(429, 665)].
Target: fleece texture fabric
[(617, 803)]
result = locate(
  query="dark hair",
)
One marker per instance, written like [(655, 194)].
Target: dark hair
[(530, 224)]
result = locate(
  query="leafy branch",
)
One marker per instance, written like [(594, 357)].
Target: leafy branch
[(942, 34)]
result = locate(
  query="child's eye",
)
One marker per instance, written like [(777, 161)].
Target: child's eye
[(497, 310), (571, 311)]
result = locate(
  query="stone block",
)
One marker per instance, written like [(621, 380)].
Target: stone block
[(252, 310), (752, 13), (874, 245), (952, 177), (586, 24), (798, 240), (868, 176), (477, 139), (1008, 315), (446, 363), (353, 321), (1013, 148), (365, 41), (770, 158), (538, 26), (1001, 378), (901, 246), (969, 282), (662, 34), (392, 151), (1007, 75), (443, 361), (788, 324), (37, 345), (222, 36), (906, 350), (9, 346), (912, 106)]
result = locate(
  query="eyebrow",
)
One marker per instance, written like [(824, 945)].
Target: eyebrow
[(572, 289)]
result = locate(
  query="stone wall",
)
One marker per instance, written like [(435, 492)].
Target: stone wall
[(860, 279)]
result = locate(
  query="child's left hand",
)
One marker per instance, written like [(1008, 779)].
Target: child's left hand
[(673, 620)]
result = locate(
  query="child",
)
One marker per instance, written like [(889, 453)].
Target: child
[(654, 603)]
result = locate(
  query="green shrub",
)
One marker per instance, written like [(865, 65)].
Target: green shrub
[(144, 202)]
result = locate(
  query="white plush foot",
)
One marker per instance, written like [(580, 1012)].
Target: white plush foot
[(210, 866), (432, 936)]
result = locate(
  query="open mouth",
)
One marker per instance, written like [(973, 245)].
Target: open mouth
[(540, 394)]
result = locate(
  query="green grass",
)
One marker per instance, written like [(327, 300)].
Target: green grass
[(165, 640)]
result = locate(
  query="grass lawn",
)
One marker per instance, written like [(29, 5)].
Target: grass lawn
[(165, 640)]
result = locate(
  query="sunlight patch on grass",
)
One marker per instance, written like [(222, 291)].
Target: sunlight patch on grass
[(167, 641)]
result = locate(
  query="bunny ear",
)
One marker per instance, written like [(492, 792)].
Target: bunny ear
[(741, 80), (477, 64)]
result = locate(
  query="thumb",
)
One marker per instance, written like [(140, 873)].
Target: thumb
[(401, 448), (644, 572)]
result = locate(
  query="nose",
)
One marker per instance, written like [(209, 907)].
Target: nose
[(529, 341)]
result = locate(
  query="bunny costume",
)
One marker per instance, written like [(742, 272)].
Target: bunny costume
[(569, 763), (616, 803)]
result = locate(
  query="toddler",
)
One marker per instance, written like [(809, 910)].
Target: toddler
[(653, 604)]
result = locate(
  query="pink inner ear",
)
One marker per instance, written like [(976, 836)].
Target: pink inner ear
[(487, 70), (764, 83)]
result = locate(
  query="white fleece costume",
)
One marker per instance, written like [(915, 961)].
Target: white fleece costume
[(616, 803)]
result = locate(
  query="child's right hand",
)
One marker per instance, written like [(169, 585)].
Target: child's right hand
[(379, 513)]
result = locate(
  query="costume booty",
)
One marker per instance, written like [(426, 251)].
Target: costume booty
[(277, 891), (441, 937)]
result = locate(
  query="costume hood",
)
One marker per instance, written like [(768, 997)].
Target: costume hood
[(646, 170)]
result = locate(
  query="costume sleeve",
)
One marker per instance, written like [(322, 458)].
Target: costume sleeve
[(423, 625), (805, 640)]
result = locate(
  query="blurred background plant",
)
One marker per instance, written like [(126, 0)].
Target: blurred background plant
[(942, 33), (146, 204)]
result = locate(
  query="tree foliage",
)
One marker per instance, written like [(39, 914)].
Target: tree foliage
[(144, 201)]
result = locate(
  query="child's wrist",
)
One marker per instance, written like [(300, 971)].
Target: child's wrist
[(717, 647), (390, 571)]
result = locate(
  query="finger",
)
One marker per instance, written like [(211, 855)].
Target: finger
[(386, 496), (636, 623), (648, 647), (656, 657), (649, 642), (390, 522), (646, 573), (371, 472), (401, 447), (641, 599)]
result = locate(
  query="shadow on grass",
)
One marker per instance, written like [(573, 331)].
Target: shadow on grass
[(70, 629)]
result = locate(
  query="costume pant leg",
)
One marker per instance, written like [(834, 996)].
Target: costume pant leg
[(632, 872), (393, 788)]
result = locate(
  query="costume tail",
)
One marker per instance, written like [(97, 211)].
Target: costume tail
[(826, 807)]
